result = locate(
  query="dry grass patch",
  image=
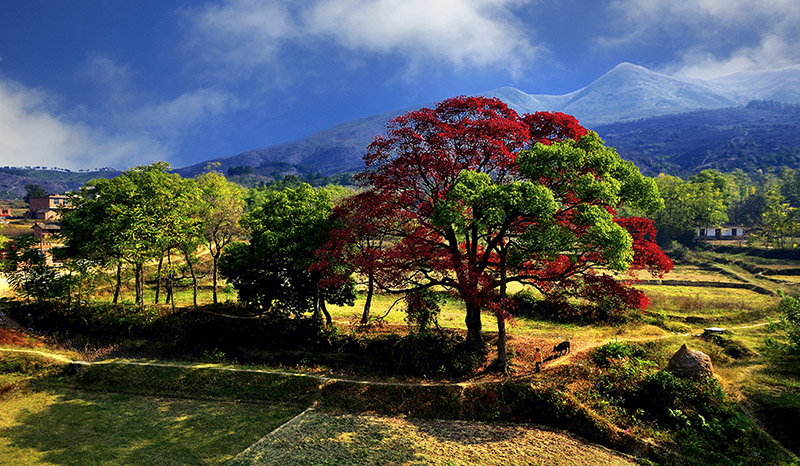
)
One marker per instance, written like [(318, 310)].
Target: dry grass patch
[(317, 438)]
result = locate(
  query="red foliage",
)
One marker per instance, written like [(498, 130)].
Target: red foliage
[(646, 253), (549, 127)]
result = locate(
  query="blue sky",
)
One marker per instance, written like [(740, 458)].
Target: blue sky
[(94, 83)]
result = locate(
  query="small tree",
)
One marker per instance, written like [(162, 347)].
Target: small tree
[(33, 190), (221, 206), (688, 205), (26, 269), (789, 324)]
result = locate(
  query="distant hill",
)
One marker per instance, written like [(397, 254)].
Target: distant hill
[(627, 93), (335, 150), (757, 136), (13, 180)]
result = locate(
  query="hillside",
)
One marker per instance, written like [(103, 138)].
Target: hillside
[(13, 180), (757, 136)]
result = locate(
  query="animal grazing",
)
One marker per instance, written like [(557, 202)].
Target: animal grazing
[(562, 348)]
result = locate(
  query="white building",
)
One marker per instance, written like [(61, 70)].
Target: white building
[(721, 232)]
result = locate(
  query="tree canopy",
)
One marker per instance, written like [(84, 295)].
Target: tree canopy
[(273, 271)]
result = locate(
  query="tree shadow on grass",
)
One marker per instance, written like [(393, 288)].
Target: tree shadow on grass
[(73, 427), (466, 433)]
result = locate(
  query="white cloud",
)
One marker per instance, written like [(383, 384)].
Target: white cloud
[(31, 133), (773, 52), (727, 35), (241, 33), (174, 116), (106, 71), (480, 33), (462, 32)]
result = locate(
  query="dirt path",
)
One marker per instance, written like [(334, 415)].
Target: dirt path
[(559, 361)]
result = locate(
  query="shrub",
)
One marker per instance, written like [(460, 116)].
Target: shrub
[(672, 399), (422, 310), (789, 324), (615, 350)]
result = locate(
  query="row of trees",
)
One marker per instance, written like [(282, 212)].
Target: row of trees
[(470, 197), (148, 213)]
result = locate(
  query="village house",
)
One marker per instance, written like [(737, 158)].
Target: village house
[(48, 207), (721, 232), (44, 232)]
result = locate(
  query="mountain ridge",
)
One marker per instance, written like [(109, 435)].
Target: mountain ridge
[(627, 92)]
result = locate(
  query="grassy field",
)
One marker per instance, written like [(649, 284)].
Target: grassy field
[(318, 439), (46, 420)]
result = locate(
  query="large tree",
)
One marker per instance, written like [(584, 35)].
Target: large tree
[(698, 203), (478, 197), (273, 272)]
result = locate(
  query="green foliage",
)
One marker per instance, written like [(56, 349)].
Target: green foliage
[(694, 413), (789, 324), (134, 218), (422, 310), (33, 190), (697, 203), (779, 220), (615, 350), (220, 208), (240, 170), (28, 273), (272, 272)]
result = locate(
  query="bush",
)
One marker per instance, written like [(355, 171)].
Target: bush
[(615, 350), (675, 400), (422, 310), (789, 324)]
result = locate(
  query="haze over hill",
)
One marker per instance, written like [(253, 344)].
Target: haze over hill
[(626, 93)]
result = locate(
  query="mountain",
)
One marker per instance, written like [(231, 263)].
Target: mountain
[(626, 93), (780, 85), (760, 135)]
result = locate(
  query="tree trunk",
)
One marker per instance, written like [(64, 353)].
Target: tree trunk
[(118, 285), (502, 352), (139, 284), (328, 319), (69, 291), (186, 255), (158, 277), (317, 315), (370, 292), (214, 260), (171, 281), (473, 321)]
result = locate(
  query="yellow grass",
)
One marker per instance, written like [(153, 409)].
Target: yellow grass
[(318, 438)]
